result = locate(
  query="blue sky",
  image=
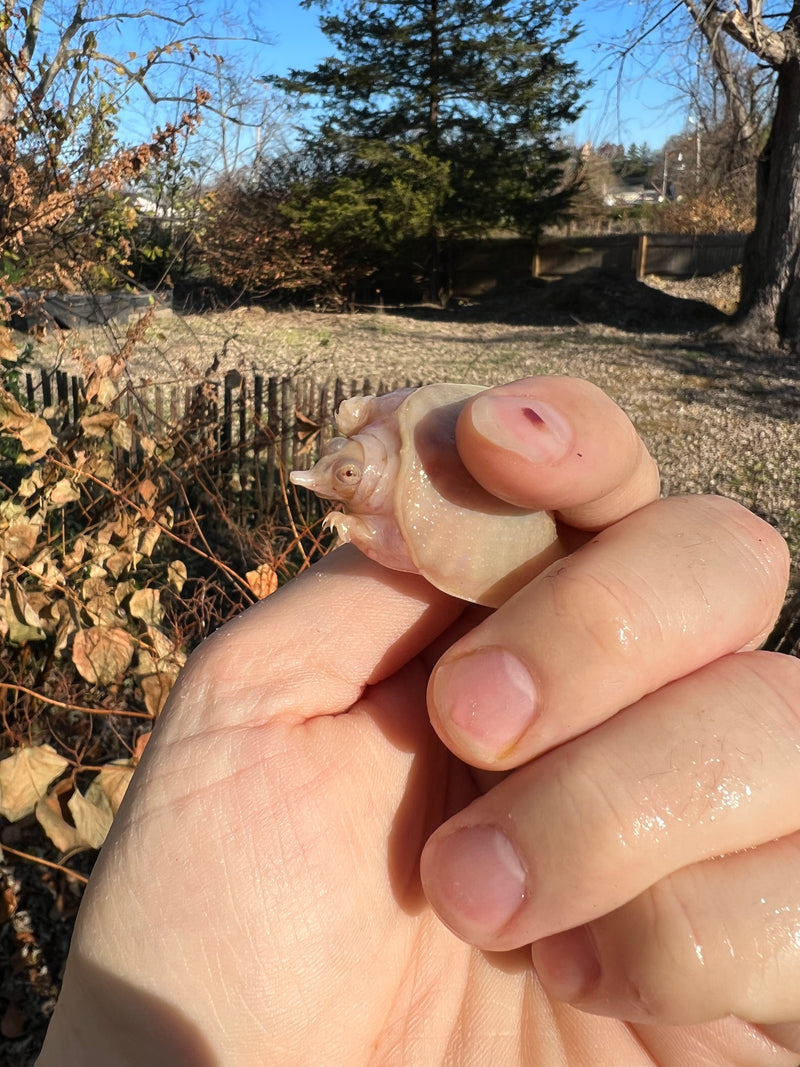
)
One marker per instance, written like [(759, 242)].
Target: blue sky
[(642, 108)]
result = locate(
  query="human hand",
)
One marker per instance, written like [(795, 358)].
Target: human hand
[(259, 899)]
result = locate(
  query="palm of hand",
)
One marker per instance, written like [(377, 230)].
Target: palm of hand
[(282, 877)]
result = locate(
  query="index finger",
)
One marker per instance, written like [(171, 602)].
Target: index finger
[(312, 647), (557, 444)]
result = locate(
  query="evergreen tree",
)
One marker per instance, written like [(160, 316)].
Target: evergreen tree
[(477, 89)]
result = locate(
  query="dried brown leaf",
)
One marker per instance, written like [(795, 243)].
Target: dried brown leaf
[(18, 540), (8, 350), (99, 424), (147, 540), (50, 816), (75, 556), (145, 604), (24, 778), (28, 486), (156, 688), (95, 586), (20, 616), (177, 574), (13, 415), (65, 615), (36, 438), (102, 610), (93, 817), (111, 782), (117, 563), (102, 654), (47, 571), (147, 490), (123, 590), (140, 746), (63, 493), (31, 431), (122, 435), (8, 904), (262, 581), (103, 468)]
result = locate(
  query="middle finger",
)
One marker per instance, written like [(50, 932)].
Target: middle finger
[(672, 587)]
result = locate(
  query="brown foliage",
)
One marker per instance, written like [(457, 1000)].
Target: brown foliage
[(250, 246), (118, 553), (48, 209), (708, 211)]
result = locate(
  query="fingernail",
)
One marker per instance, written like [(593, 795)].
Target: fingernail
[(480, 881), (488, 696), (531, 428), (567, 963)]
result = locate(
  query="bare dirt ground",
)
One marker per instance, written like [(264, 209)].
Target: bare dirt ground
[(717, 419)]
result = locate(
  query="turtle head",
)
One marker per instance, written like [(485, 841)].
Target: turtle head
[(344, 472)]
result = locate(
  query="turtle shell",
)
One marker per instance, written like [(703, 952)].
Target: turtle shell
[(461, 538)]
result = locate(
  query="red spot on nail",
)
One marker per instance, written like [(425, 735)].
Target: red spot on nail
[(533, 416)]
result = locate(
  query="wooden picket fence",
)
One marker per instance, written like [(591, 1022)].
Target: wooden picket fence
[(250, 432)]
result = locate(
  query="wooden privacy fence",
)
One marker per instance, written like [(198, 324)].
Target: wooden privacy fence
[(679, 255), (484, 265), (249, 433)]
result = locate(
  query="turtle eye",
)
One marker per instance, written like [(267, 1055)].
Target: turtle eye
[(347, 475)]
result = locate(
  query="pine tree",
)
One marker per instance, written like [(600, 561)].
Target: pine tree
[(479, 88)]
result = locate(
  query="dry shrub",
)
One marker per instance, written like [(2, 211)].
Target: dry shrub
[(713, 211), (119, 551), (118, 548), (50, 232), (249, 246)]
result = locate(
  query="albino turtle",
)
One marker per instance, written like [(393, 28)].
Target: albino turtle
[(409, 503)]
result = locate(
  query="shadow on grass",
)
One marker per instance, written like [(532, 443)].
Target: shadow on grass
[(589, 296), (681, 335)]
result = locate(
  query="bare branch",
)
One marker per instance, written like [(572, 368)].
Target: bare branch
[(773, 47), (711, 26), (32, 25)]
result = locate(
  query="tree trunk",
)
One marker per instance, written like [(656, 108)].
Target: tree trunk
[(769, 310)]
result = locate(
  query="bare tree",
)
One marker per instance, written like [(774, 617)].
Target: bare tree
[(65, 56), (765, 127), (739, 102), (770, 298)]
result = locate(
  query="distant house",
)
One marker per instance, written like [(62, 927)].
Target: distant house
[(630, 195)]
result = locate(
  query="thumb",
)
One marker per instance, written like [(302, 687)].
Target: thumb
[(559, 444)]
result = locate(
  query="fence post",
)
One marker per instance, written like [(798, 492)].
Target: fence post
[(273, 422), (258, 437), (287, 425), (641, 257), (76, 385)]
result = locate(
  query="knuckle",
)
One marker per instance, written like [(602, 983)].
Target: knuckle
[(777, 687), (616, 608), (670, 975)]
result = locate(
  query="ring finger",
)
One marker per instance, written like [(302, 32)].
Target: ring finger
[(705, 766), (714, 939)]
